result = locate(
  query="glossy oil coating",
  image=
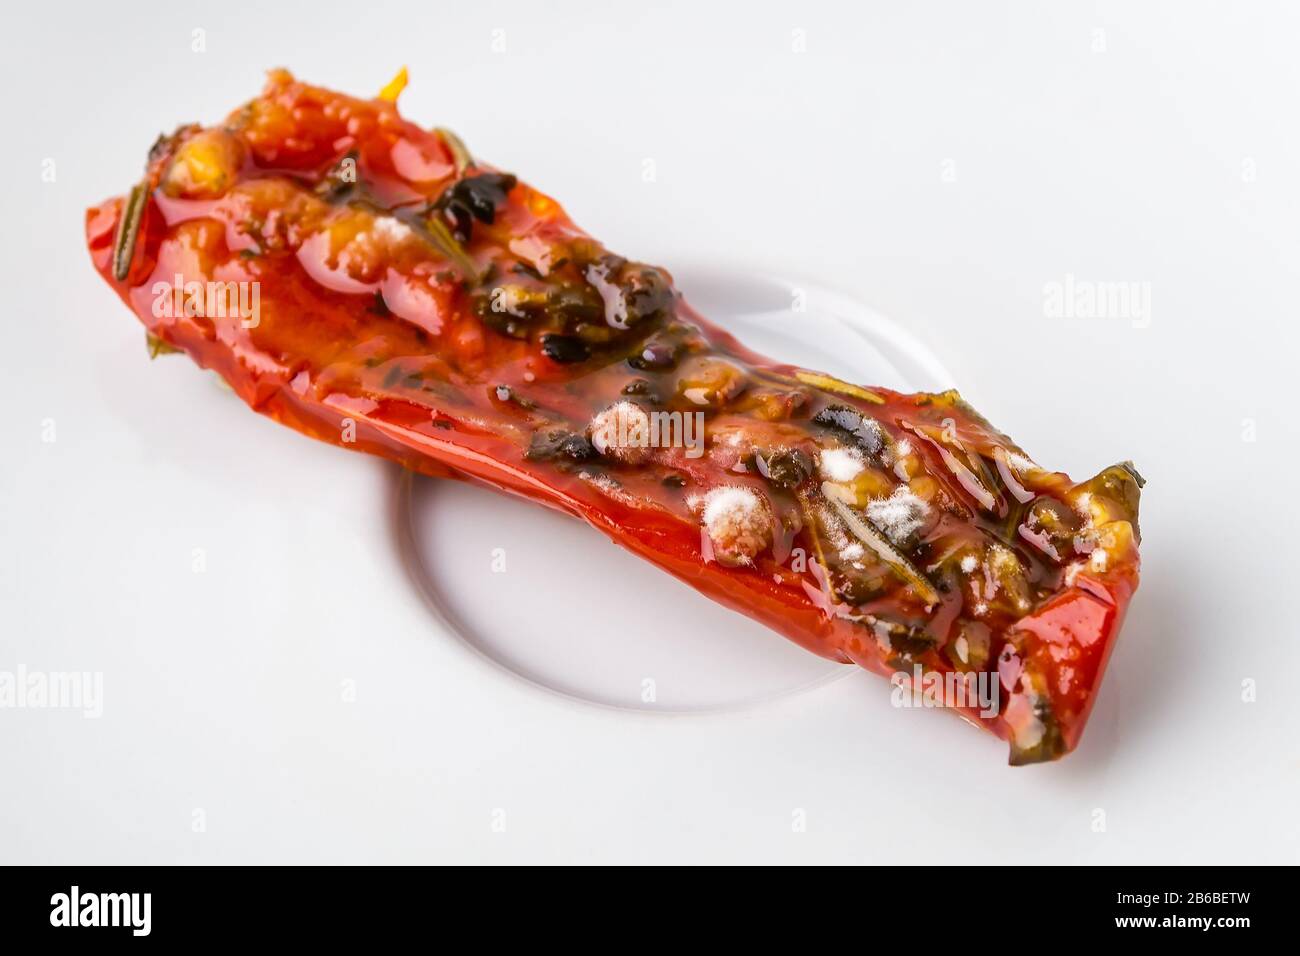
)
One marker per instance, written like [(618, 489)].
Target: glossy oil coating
[(370, 283)]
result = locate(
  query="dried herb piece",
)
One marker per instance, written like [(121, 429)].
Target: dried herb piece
[(641, 388), (856, 588), (1120, 484), (906, 642), (644, 291), (829, 384), (157, 346), (565, 349), (128, 229), (785, 468), (558, 443), (456, 146), (341, 180), (877, 542), (474, 197), (861, 430), (435, 232), (507, 395), (655, 355)]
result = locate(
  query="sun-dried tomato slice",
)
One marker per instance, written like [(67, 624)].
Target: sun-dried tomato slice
[(372, 284)]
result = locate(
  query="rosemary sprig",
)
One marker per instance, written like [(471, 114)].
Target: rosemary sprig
[(877, 542), (810, 522), (128, 229), (831, 384)]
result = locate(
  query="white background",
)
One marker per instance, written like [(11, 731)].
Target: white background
[(1167, 156)]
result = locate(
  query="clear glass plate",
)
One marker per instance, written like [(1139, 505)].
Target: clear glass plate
[(555, 603)]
